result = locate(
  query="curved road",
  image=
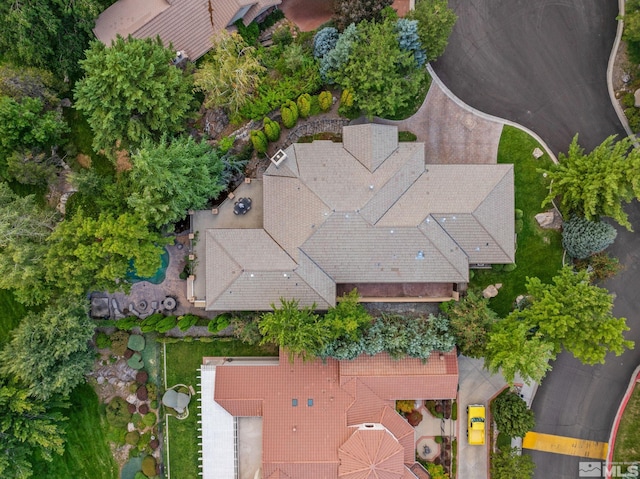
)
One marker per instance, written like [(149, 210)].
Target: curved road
[(543, 64)]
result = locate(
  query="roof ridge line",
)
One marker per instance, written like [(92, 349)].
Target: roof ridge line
[(448, 236)]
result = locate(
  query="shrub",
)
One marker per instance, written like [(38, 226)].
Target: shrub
[(219, 323), (149, 419), (142, 377), (289, 114), (259, 141), (128, 353), (149, 324), (324, 41), (135, 361), (144, 409), (282, 36), (405, 405), (511, 415), (633, 115), (271, 129), (406, 136), (145, 438), (166, 324), (102, 341), (497, 267), (582, 238), (245, 328), (346, 102), (118, 414), (131, 408), (414, 418), (518, 214), (116, 435), (140, 475), (407, 31), (509, 267), (519, 224), (438, 439), (149, 466), (249, 33), (132, 437), (136, 342), (142, 393), (304, 105), (602, 266), (325, 100), (628, 100), (152, 391), (154, 443), (127, 324), (185, 322), (154, 404), (119, 341)]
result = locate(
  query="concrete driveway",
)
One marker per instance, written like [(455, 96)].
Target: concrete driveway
[(542, 64)]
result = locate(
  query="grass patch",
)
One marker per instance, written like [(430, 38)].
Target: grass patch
[(87, 454), (539, 252), (627, 446), (184, 359), (12, 313), (416, 102)]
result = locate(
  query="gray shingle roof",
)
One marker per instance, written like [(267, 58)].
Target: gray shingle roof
[(371, 143)]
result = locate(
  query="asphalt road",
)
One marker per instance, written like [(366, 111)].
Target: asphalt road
[(540, 63), (543, 64)]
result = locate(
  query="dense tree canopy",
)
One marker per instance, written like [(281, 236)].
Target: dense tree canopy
[(49, 352), (168, 178), (511, 414), (347, 12), (96, 253), (382, 76), (435, 23), (131, 91), (27, 426), (510, 463), (575, 315), (24, 229), (48, 33), (230, 73), (598, 183)]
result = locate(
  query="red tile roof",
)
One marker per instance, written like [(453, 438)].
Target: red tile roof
[(312, 436)]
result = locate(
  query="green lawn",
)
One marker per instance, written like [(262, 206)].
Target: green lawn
[(627, 446), (12, 313), (539, 252), (183, 360), (87, 454)]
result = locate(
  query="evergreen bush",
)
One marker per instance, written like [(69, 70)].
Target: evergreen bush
[(324, 41), (271, 129), (407, 31), (118, 415), (325, 99), (497, 267), (132, 438), (336, 58), (119, 341), (144, 409), (149, 419), (259, 141), (136, 342), (304, 105), (518, 214), (346, 102), (142, 393), (583, 238), (135, 361), (187, 321), (149, 324), (149, 466), (142, 377), (102, 341), (511, 415), (127, 324), (166, 324), (509, 267), (289, 113)]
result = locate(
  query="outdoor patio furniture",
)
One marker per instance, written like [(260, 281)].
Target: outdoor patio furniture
[(242, 206)]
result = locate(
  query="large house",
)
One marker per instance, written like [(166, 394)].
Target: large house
[(319, 420), (367, 213), (188, 25)]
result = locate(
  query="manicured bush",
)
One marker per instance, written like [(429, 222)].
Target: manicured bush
[(118, 414), (140, 475), (414, 418), (119, 341), (142, 377), (346, 102), (219, 323), (289, 114), (135, 361), (166, 324), (259, 141), (144, 409), (325, 99), (149, 466), (102, 341), (518, 214), (187, 321), (152, 391), (324, 41), (271, 129), (136, 342), (154, 443), (154, 404), (128, 353), (509, 267), (149, 324), (405, 405), (132, 437), (145, 438), (149, 419), (582, 238), (127, 324), (131, 408), (142, 393), (304, 105)]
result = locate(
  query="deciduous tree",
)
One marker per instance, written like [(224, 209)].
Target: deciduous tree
[(170, 177), (598, 183), (435, 23), (96, 253), (130, 91), (230, 74), (49, 352)]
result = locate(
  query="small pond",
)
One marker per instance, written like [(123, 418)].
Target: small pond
[(130, 468), (159, 275)]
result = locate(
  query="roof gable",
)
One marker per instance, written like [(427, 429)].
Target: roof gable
[(371, 143)]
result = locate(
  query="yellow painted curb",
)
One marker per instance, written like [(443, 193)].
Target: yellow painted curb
[(565, 445)]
